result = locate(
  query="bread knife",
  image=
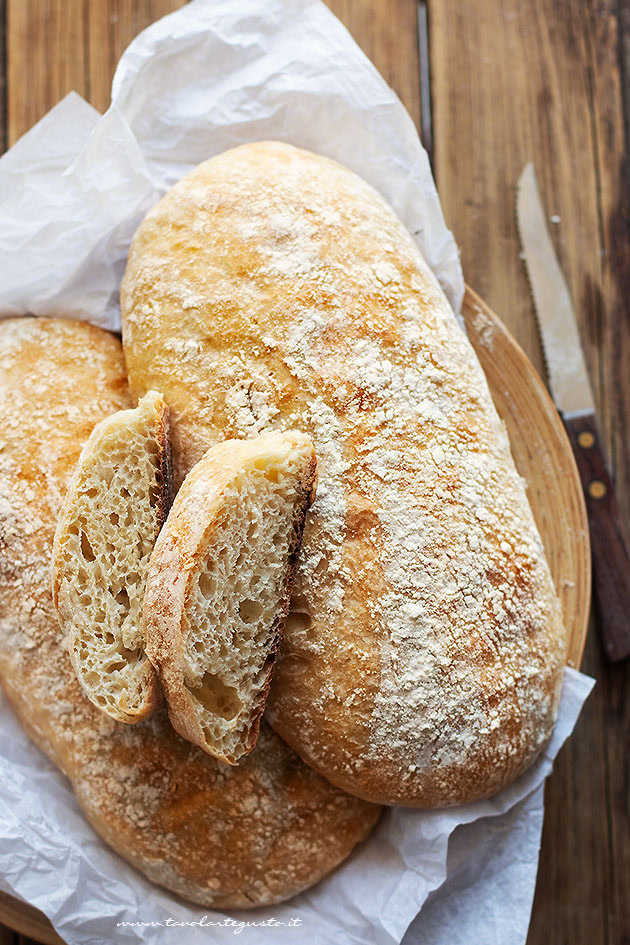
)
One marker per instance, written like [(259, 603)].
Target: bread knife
[(573, 396)]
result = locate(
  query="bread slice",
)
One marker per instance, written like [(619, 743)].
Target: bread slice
[(115, 507), (219, 582)]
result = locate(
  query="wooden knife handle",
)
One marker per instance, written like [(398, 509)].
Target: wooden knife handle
[(611, 565)]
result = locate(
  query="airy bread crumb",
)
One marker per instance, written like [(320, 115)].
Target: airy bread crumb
[(219, 582), (115, 506)]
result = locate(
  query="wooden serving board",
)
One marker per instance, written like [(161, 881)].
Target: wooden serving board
[(543, 457)]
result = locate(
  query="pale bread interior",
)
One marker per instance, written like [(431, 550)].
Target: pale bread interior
[(240, 595), (113, 513)]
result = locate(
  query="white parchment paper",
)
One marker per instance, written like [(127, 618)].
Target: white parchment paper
[(213, 75)]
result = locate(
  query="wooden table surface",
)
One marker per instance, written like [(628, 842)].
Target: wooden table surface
[(511, 81)]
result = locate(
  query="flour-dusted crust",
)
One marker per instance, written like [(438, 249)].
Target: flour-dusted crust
[(220, 836), (272, 288), (115, 506), (219, 584)]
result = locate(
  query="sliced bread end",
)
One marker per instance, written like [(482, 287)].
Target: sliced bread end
[(116, 504), (219, 585)]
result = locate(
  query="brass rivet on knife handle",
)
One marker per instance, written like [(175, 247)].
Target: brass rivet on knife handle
[(611, 563), (597, 489)]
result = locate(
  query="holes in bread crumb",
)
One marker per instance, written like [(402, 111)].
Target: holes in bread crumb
[(86, 548), (298, 619), (250, 610), (156, 490), (131, 656), (114, 518), (207, 585), (122, 597), (215, 696)]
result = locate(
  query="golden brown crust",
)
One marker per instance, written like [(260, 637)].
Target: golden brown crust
[(197, 518), (223, 837), (165, 461), (422, 659)]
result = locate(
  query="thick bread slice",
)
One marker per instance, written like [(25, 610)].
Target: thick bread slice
[(115, 507), (219, 583), (422, 658), (225, 837)]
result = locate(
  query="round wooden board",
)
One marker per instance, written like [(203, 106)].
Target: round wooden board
[(543, 457)]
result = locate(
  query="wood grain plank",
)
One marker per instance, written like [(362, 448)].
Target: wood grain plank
[(542, 80), (609, 108), (45, 58), (7, 937)]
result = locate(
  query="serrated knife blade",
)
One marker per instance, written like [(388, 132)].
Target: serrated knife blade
[(568, 376), (571, 391)]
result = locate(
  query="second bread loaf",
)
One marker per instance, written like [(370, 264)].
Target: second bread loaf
[(162, 803)]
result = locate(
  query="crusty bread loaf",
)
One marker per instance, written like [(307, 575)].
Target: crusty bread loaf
[(115, 506), (218, 587), (422, 661), (222, 836)]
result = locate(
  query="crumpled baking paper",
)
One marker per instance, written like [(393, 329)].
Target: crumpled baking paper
[(215, 74)]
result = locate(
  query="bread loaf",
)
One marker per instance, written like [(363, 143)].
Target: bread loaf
[(220, 836), (422, 658), (219, 582), (115, 506)]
